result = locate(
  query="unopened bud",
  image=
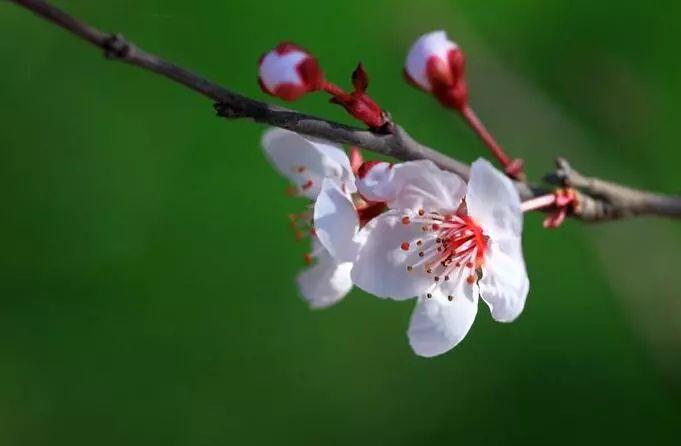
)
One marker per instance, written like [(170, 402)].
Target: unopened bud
[(289, 72), (436, 64)]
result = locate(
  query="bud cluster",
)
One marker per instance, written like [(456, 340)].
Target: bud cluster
[(434, 64), (289, 72)]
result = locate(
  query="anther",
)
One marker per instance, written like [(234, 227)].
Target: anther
[(405, 220), (422, 212), (446, 278), (405, 246), (470, 279), (450, 298), (308, 184), (429, 295), (308, 258), (421, 254), (410, 268), (436, 278)]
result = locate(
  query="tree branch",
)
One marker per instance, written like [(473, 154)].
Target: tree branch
[(598, 200)]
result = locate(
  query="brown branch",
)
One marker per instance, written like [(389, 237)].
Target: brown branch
[(602, 200), (598, 200)]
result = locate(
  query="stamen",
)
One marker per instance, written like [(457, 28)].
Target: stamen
[(451, 243), (450, 298)]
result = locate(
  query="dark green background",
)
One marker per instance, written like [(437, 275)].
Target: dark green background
[(146, 267)]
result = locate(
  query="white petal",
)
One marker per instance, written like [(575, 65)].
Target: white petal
[(306, 162), (326, 282), (277, 69), (504, 284), (376, 182), (347, 178), (383, 180), (421, 184), (381, 264), (493, 201), (336, 222), (434, 44), (438, 324)]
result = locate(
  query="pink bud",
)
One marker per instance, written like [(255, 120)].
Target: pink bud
[(436, 64), (289, 72)]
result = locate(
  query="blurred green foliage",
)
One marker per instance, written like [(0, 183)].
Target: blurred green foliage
[(146, 267)]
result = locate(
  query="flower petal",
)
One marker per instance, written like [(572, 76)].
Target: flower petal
[(438, 324), (347, 178), (375, 183), (336, 222), (504, 284), (493, 202), (306, 162), (326, 282), (385, 182), (381, 264), (421, 184)]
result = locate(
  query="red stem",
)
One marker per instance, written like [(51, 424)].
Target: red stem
[(540, 202), (333, 89), (474, 122)]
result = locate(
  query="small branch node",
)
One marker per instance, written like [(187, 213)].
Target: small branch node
[(116, 47), (229, 111)]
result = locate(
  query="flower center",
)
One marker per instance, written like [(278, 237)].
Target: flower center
[(453, 245)]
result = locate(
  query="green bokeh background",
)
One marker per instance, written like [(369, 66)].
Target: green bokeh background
[(147, 271)]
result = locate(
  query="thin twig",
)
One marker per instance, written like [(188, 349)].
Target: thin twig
[(598, 200)]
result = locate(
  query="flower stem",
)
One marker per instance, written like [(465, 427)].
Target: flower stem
[(512, 167), (540, 202), (333, 89)]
